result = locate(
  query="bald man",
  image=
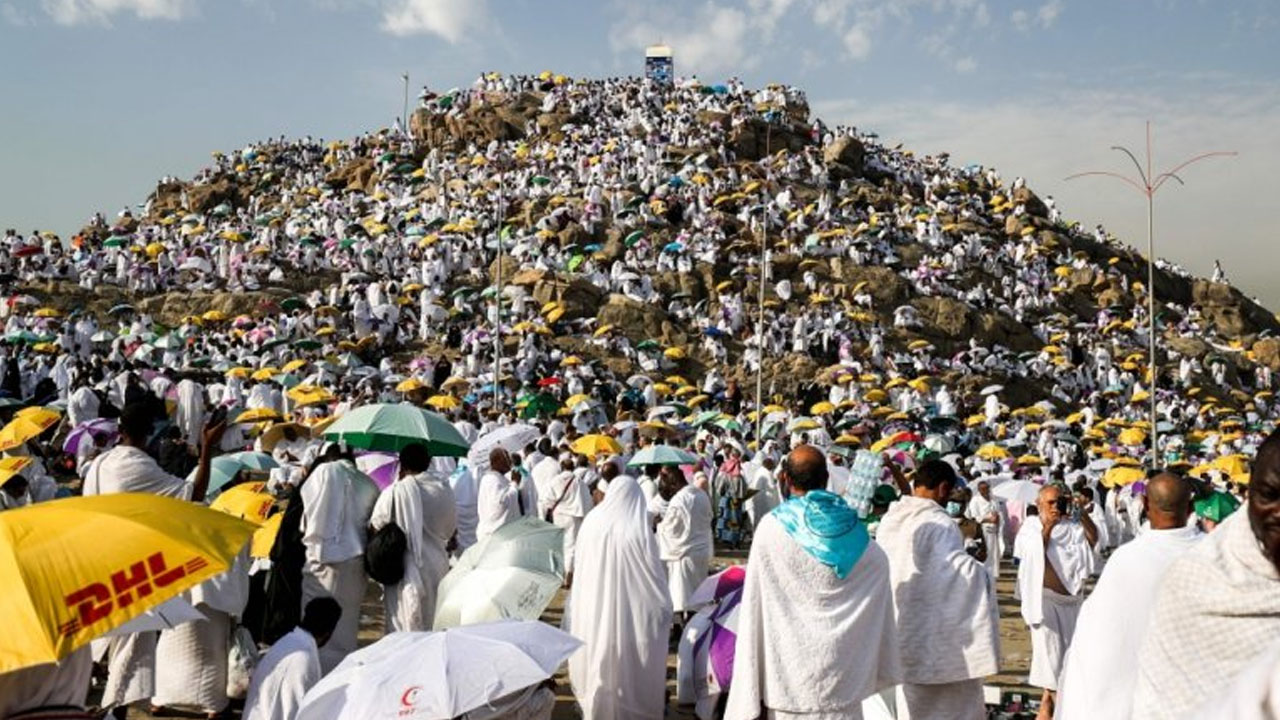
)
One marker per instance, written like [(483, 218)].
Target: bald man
[(498, 498), (1055, 548), (1218, 606), (816, 632), (1102, 665)]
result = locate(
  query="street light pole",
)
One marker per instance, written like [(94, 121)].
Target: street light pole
[(764, 276), (405, 117), (1148, 183), (497, 298)]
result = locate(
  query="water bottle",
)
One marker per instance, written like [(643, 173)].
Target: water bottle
[(864, 478)]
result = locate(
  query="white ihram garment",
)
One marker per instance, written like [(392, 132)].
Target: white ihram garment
[(424, 508), (796, 626), (685, 544), (946, 611), (621, 610), (283, 676), (1050, 615), (1102, 665)]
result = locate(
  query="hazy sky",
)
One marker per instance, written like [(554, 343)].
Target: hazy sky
[(100, 98)]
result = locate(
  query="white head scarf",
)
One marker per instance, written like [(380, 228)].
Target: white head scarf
[(620, 608)]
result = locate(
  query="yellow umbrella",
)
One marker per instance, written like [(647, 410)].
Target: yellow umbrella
[(602, 330), (247, 501), (64, 586), (674, 353), (443, 402), (293, 365), (575, 399), (571, 361), (11, 466), (265, 536), (1030, 460), (25, 425), (238, 372), (409, 385), (677, 380), (264, 374), (595, 445), (822, 408), (662, 388), (991, 451), (804, 425), (875, 396), (214, 316), (455, 382), (1119, 475), (697, 400), (1132, 436), (48, 312), (310, 395), (257, 415), (1233, 464)]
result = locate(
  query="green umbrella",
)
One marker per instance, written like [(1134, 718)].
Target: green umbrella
[(540, 404), (116, 241), (347, 243), (224, 467), (635, 237), (728, 424), (390, 427), (540, 180), (307, 344), (292, 304), (662, 455), (1217, 506), (287, 381), (575, 262), (705, 417), (648, 345)]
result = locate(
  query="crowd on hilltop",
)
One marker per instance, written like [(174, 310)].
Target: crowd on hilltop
[(422, 261)]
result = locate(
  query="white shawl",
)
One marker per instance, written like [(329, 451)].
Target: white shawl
[(620, 609), (808, 641), (1069, 551), (1218, 607), (1102, 663), (945, 601)]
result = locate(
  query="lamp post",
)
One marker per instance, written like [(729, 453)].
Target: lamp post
[(1148, 183), (405, 116), (764, 276)]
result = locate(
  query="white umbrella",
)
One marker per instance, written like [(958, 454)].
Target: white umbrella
[(940, 444), (992, 389), (513, 573), (438, 675), (1023, 491), (512, 438)]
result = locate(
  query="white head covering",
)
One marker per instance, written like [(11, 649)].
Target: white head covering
[(620, 608)]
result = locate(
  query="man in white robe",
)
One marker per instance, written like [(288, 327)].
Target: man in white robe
[(127, 468), (498, 497), (1218, 606), (817, 589), (621, 610), (466, 495), (565, 496), (944, 602), (684, 541), (984, 510), (422, 505), (191, 659), (61, 685), (1102, 666), (1057, 556), (337, 502), (287, 671), (189, 413)]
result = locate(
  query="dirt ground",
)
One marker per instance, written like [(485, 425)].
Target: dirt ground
[(1015, 645)]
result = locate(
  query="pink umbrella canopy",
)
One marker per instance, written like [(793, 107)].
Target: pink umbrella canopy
[(382, 468)]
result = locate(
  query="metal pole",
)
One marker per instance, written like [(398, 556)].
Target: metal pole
[(764, 275), (497, 298), (405, 116), (1151, 320)]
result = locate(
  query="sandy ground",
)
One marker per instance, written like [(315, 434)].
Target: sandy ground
[(1015, 645)]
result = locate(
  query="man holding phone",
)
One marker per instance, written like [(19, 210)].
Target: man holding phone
[(1055, 548)]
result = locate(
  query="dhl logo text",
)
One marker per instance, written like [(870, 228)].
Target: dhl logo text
[(96, 601)]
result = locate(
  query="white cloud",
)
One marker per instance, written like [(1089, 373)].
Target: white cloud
[(1222, 211), (75, 12), (14, 16), (1048, 13), (966, 65), (448, 19), (857, 42), (1021, 19)]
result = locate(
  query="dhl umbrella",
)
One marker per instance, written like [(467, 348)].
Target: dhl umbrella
[(65, 587), (11, 466), (265, 537), (247, 501), (595, 445), (27, 424)]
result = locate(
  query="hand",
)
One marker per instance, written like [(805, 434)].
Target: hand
[(1050, 518), (212, 435)]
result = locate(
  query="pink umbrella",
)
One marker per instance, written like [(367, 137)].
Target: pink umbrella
[(90, 431), (382, 468)]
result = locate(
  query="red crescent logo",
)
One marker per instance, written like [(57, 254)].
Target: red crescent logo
[(410, 696)]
